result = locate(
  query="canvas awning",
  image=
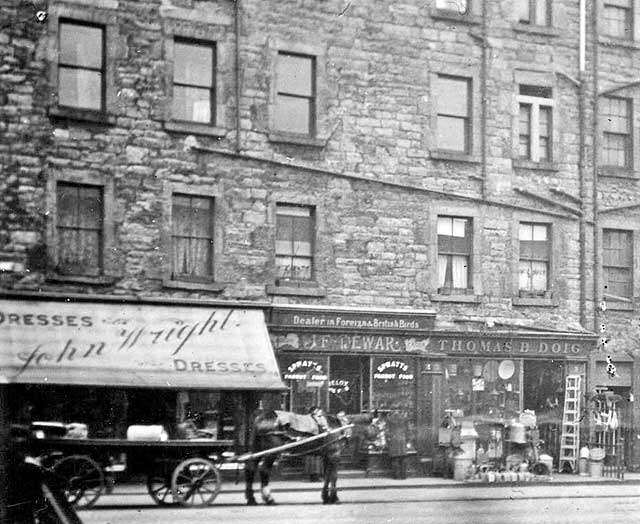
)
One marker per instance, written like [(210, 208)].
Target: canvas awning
[(135, 345)]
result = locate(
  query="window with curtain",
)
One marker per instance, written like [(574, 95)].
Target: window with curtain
[(79, 224), (460, 6), (617, 18), (533, 266), (194, 67), (615, 118), (295, 94), (453, 100), (617, 262), (81, 65), (294, 241), (534, 12), (535, 123), (192, 237), (454, 253)]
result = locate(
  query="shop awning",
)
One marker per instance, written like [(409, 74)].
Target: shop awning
[(135, 345)]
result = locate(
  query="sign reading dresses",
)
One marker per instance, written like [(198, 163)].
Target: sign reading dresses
[(135, 345)]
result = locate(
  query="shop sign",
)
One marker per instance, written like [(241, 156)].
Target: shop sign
[(523, 347), (349, 343), (305, 369), (392, 370), (351, 320), (135, 345)]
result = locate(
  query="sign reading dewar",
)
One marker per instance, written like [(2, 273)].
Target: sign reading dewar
[(135, 345)]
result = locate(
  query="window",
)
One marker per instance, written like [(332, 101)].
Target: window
[(454, 253), (453, 100), (79, 224), (192, 237), (615, 117), (294, 242), (295, 110), (617, 262), (617, 18), (535, 123), (81, 66), (194, 81), (534, 12), (461, 6), (533, 267)]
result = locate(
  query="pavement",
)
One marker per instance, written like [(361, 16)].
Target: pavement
[(356, 480)]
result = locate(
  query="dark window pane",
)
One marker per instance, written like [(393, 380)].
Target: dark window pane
[(80, 88), (192, 228), (90, 207), (81, 45), (536, 91)]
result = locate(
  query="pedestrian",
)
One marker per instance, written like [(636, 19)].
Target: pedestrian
[(397, 442)]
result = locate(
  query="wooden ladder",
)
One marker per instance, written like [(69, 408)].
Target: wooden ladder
[(570, 437)]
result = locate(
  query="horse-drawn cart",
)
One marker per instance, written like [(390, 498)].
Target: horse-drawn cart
[(178, 471)]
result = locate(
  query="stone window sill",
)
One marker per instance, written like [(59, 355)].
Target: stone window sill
[(534, 301), (293, 290), (542, 30), (617, 172), (194, 128), (520, 163), (87, 115), (449, 15), (170, 283), (454, 156), (300, 140), (612, 41), (466, 299), (619, 304), (81, 279)]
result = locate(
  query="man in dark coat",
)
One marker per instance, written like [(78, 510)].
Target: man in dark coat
[(397, 443)]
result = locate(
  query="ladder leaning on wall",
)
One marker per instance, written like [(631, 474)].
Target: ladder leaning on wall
[(570, 437)]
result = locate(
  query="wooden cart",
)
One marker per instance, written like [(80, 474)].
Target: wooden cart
[(181, 472)]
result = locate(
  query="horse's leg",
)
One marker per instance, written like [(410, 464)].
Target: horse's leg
[(326, 479), (249, 474), (334, 461), (265, 471)]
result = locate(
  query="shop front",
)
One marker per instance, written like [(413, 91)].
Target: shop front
[(491, 382), (355, 361), (106, 366)]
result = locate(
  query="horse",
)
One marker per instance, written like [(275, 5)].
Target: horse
[(271, 429)]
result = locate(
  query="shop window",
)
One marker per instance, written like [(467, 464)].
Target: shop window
[(453, 99), (349, 384), (192, 237), (615, 118), (294, 242), (617, 18), (617, 262), (533, 267), (81, 65), (535, 124), (534, 12), (394, 384), (79, 225), (295, 108), (308, 380), (482, 387), (194, 66), (454, 254)]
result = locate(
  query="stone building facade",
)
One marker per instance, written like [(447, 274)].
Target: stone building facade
[(413, 114)]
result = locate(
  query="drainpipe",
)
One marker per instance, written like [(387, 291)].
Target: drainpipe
[(597, 259), (582, 164), (237, 28), (483, 84)]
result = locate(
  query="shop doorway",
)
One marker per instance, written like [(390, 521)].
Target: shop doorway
[(543, 393)]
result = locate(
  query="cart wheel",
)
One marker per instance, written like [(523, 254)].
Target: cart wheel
[(83, 479), (195, 482), (159, 487)]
